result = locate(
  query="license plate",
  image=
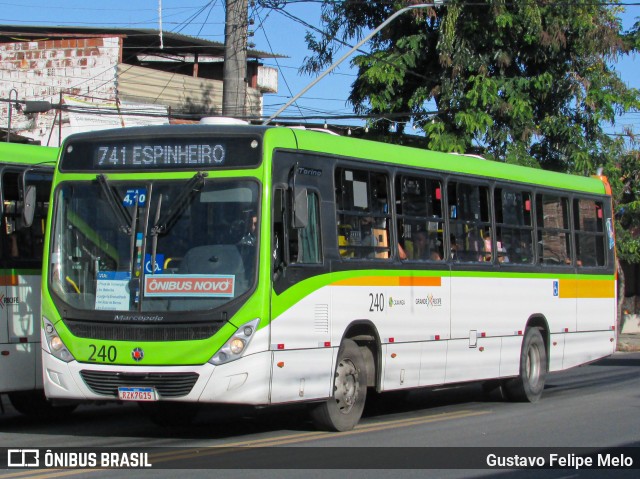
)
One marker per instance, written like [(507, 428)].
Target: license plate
[(137, 394)]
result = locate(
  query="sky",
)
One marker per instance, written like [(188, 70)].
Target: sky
[(276, 30)]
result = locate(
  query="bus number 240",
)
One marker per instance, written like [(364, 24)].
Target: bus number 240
[(103, 353), (377, 302)]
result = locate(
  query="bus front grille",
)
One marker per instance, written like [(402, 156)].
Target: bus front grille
[(168, 385), (155, 332)]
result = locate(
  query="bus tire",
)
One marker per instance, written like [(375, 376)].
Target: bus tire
[(35, 404), (529, 384), (343, 410)]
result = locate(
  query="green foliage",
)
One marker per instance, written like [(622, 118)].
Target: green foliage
[(624, 175), (527, 83)]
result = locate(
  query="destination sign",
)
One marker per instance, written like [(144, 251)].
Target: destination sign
[(161, 153)]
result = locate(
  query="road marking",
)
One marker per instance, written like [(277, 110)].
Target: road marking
[(213, 450)]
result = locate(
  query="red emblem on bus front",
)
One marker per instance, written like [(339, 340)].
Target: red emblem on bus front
[(137, 354)]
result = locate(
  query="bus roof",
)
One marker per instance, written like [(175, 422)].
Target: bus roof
[(346, 147), (20, 153), (445, 162)]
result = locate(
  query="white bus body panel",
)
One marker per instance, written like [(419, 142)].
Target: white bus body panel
[(473, 333), (20, 363), (298, 377), (584, 347), (427, 337)]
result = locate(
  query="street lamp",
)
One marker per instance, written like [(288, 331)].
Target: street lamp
[(25, 107), (346, 55)]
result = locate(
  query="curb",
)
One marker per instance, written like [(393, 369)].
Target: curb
[(629, 343)]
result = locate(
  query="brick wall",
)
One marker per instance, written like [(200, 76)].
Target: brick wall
[(41, 70)]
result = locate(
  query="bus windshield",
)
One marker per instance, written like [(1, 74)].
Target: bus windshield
[(177, 245)]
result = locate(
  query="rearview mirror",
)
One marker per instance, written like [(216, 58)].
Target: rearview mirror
[(29, 206)]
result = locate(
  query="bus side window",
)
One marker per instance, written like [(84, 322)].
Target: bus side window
[(470, 221), (363, 214), (514, 229), (420, 226), (554, 236), (589, 226)]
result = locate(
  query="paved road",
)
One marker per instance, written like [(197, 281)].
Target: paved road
[(595, 406)]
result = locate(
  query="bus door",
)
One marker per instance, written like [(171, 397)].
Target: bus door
[(21, 263), (300, 322)]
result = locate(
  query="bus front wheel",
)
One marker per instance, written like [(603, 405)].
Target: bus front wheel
[(343, 410), (529, 384)]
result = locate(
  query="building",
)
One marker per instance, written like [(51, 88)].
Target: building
[(108, 77)]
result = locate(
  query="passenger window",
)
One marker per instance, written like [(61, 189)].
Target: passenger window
[(420, 223), (514, 230), (552, 214), (362, 202), (469, 218), (589, 227)]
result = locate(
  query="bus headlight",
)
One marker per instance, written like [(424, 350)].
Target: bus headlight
[(54, 343), (236, 345)]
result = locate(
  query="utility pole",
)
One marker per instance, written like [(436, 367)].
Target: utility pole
[(234, 88)]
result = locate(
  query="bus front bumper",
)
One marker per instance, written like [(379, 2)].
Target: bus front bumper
[(244, 381)]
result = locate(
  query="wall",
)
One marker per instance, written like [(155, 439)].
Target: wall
[(41, 70)]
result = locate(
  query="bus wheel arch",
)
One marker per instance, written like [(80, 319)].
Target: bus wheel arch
[(529, 384), (355, 371), (366, 336), (539, 321)]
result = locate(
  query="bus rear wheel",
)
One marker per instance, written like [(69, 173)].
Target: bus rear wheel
[(529, 384), (343, 410)]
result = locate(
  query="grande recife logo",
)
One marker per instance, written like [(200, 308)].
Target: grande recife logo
[(190, 285)]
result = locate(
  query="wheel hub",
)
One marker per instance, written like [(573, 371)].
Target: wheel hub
[(347, 386)]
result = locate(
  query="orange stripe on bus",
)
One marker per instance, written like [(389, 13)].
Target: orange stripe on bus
[(391, 281), (9, 280), (420, 281), (587, 288)]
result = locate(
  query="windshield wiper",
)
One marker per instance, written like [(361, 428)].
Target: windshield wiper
[(123, 217), (154, 236), (164, 223)]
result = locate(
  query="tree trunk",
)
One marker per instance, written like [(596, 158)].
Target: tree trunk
[(619, 322)]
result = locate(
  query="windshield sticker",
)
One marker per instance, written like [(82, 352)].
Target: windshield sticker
[(190, 285), (112, 291), (159, 264), (133, 196)]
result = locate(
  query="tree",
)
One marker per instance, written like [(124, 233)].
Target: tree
[(525, 82)]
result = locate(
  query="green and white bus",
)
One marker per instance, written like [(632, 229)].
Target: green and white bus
[(271, 265), (26, 172)]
